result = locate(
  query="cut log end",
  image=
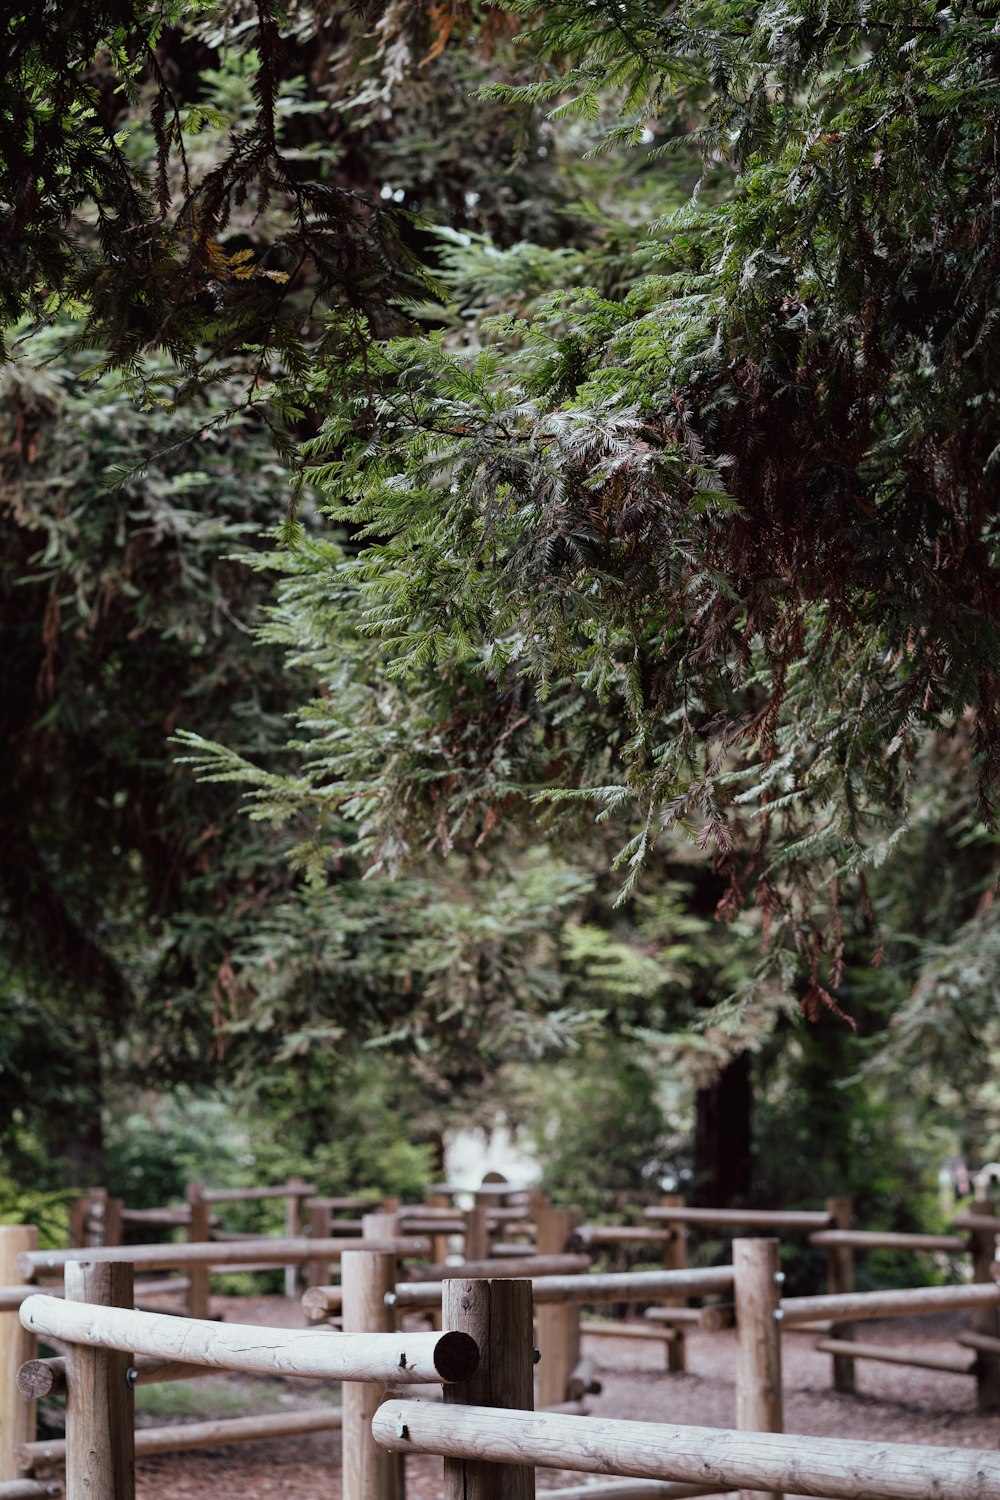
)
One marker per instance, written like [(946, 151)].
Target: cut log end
[(42, 1377), (456, 1356)]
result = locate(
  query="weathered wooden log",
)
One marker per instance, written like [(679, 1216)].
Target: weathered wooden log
[(840, 1279), (28, 1489), (169, 1217), (496, 1316), (402, 1359), (714, 1317), (624, 1286), (911, 1302), (878, 1239), (232, 1236), (758, 1342), (369, 1471), (342, 1205), (42, 1377), (619, 1330), (199, 1296), (318, 1220), (985, 1318), (293, 1227), (583, 1379), (984, 1342), (162, 1287), (511, 1266), (477, 1233), (675, 1259), (689, 1317), (888, 1354), (979, 1217), (258, 1195), (428, 1224), (630, 1234), (837, 1468), (630, 1489), (318, 1302), (17, 1344), (11, 1297), (741, 1218), (182, 1437), (269, 1251), (100, 1408)]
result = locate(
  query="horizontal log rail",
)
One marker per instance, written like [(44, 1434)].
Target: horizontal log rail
[(47, 1377), (837, 1468), (741, 1218), (11, 1297), (269, 1250), (29, 1489), (887, 1354), (319, 1301), (852, 1307), (984, 1343), (988, 1222), (631, 1330), (343, 1205), (630, 1489), (166, 1216), (258, 1195), (183, 1437), (627, 1234), (876, 1239), (484, 1190), (400, 1358), (584, 1289), (529, 1265), (688, 1315)]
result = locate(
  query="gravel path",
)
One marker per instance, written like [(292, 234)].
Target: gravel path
[(893, 1404)]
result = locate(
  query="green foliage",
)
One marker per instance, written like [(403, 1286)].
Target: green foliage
[(598, 1125), (150, 1157)]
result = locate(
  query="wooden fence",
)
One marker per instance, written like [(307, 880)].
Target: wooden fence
[(489, 1437)]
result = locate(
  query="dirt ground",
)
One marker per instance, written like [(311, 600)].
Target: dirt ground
[(893, 1404)]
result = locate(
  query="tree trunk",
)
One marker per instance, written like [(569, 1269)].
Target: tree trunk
[(722, 1136)]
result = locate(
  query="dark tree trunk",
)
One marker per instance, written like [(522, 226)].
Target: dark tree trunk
[(722, 1135)]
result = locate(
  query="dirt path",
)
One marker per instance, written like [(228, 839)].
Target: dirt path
[(894, 1404)]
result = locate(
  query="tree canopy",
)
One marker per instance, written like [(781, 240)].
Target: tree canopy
[(616, 383)]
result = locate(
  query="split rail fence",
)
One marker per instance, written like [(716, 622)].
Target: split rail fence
[(535, 1241), (488, 1435)]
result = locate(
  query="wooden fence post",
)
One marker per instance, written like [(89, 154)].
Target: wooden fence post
[(100, 1407), (439, 1248), (17, 1416), (78, 1223), (97, 1199), (840, 1278), (758, 1339), (675, 1259), (319, 1219), (113, 1224), (477, 1233), (369, 1472), (497, 1314), (199, 1232), (985, 1319), (558, 1326), (293, 1228)]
